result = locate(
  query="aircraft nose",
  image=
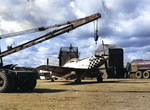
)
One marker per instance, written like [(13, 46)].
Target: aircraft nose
[(96, 62)]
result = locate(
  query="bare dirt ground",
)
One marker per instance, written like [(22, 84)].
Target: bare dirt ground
[(112, 94)]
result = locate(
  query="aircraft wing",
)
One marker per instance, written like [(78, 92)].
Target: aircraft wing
[(59, 71)]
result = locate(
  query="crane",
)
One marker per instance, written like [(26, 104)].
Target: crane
[(66, 27), (9, 78)]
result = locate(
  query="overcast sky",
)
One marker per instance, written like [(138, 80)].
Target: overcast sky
[(125, 23)]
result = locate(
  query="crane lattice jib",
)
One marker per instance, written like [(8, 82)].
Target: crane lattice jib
[(66, 27)]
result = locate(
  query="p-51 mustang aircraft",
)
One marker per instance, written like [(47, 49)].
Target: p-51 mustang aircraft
[(87, 67)]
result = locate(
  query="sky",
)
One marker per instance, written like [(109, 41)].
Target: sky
[(125, 23)]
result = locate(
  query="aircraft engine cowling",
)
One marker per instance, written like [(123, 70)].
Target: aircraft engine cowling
[(95, 62)]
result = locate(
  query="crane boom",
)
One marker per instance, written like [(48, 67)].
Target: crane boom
[(37, 29), (70, 25)]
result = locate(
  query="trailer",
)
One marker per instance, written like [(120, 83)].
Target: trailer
[(139, 67), (12, 79)]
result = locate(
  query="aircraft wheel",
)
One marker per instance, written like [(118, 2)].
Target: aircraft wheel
[(78, 81), (99, 79), (146, 75), (138, 74), (52, 80)]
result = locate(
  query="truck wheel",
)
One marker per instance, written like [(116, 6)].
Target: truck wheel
[(4, 82), (146, 74), (52, 80), (13, 84), (138, 74), (32, 84), (27, 85)]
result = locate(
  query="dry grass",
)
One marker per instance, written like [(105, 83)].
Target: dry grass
[(112, 94)]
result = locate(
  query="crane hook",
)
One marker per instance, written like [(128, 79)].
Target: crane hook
[(96, 31), (96, 37)]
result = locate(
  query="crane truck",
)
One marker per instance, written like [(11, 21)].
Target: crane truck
[(12, 79)]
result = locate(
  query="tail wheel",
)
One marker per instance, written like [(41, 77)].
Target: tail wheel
[(4, 82), (146, 75), (138, 74)]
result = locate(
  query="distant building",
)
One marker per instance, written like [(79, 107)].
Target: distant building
[(115, 61), (67, 53)]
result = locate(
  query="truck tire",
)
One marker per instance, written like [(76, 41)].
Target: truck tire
[(32, 84), (4, 82), (138, 74), (13, 84), (27, 85), (146, 74)]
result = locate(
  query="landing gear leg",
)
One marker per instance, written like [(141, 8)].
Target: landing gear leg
[(99, 79), (78, 81), (52, 80)]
